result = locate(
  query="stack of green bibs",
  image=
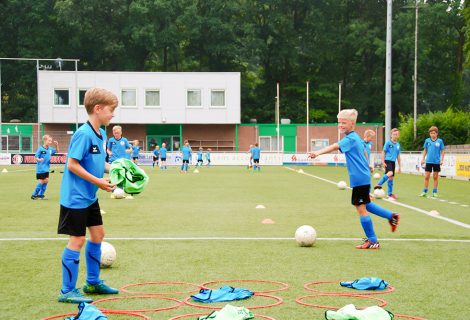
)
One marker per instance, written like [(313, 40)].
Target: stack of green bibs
[(127, 175), (229, 312), (349, 312)]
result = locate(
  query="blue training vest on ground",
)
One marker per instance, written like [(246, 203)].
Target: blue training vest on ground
[(366, 284), (224, 294)]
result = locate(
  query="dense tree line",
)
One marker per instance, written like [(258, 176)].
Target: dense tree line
[(268, 41)]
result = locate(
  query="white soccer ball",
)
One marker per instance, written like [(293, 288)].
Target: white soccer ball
[(305, 236), (342, 185), (108, 254), (379, 193), (376, 175), (119, 193)]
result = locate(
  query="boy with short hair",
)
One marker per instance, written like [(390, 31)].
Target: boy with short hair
[(162, 154), (390, 154), (359, 177), (433, 156), (199, 157), (186, 151), (368, 137), (43, 164), (208, 157), (135, 151), (79, 207), (256, 154), (156, 156), (118, 147)]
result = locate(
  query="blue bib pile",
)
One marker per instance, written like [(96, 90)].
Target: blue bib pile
[(366, 284), (224, 294)]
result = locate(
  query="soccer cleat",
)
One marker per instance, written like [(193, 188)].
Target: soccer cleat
[(424, 195), (392, 197), (435, 195), (99, 288), (74, 296), (42, 198), (394, 221), (34, 198), (368, 245), (377, 187)]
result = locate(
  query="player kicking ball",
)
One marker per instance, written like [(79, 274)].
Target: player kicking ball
[(359, 178)]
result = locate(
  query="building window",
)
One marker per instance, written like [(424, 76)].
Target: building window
[(217, 98), (152, 98), (194, 98), (317, 144), (128, 98), (81, 97), (269, 143), (61, 97)]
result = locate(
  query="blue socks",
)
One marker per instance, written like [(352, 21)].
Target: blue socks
[(43, 189), (425, 190), (70, 262), (379, 211), (382, 180), (37, 190), (390, 187), (434, 190), (93, 258), (368, 227)]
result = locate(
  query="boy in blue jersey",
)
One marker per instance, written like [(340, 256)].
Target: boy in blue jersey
[(186, 151), (79, 207), (390, 154), (162, 154), (250, 151), (118, 147), (256, 154), (208, 157), (135, 151), (359, 177), (43, 163), (433, 156), (368, 137), (199, 158), (156, 156)]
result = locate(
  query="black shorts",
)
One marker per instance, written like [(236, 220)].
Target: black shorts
[(256, 160), (155, 158), (75, 221), (135, 158), (163, 159), (430, 167), (185, 161), (199, 160), (208, 160), (360, 195), (390, 166), (41, 176)]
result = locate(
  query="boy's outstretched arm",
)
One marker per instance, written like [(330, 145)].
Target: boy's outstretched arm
[(328, 149)]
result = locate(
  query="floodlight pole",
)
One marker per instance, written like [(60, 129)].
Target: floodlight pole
[(388, 72), (415, 77), (1, 140), (277, 116), (340, 84), (308, 136)]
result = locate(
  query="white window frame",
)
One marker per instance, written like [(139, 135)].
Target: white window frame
[(314, 146), (61, 105), (187, 98), (134, 106), (159, 98), (78, 93), (225, 100), (271, 138)]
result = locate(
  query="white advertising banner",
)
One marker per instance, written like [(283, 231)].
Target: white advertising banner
[(5, 159), (219, 158)]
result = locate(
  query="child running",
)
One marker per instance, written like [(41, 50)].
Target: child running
[(43, 164), (359, 178), (390, 154)]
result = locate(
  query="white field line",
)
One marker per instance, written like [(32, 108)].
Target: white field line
[(230, 239), (458, 223)]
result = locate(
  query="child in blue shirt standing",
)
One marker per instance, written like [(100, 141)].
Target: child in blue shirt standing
[(208, 157), (433, 156), (256, 154), (43, 163), (135, 151), (162, 154), (359, 177), (156, 156), (186, 151), (79, 207), (199, 158), (390, 154)]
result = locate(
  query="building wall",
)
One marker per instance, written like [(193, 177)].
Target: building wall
[(173, 88), (217, 137), (247, 135)]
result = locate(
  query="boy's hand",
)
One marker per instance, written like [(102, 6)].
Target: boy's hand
[(105, 185), (371, 169), (55, 142), (312, 155), (422, 163), (384, 165)]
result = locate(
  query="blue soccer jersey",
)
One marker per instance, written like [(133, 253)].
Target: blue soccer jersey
[(255, 153), (392, 150), (135, 151), (186, 153), (45, 154), (118, 148), (433, 149), (368, 148), (89, 148), (208, 155), (358, 168), (199, 155), (162, 153)]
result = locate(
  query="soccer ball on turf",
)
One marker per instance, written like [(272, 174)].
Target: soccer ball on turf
[(119, 193), (379, 193), (305, 236), (376, 175), (342, 185), (108, 254)]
